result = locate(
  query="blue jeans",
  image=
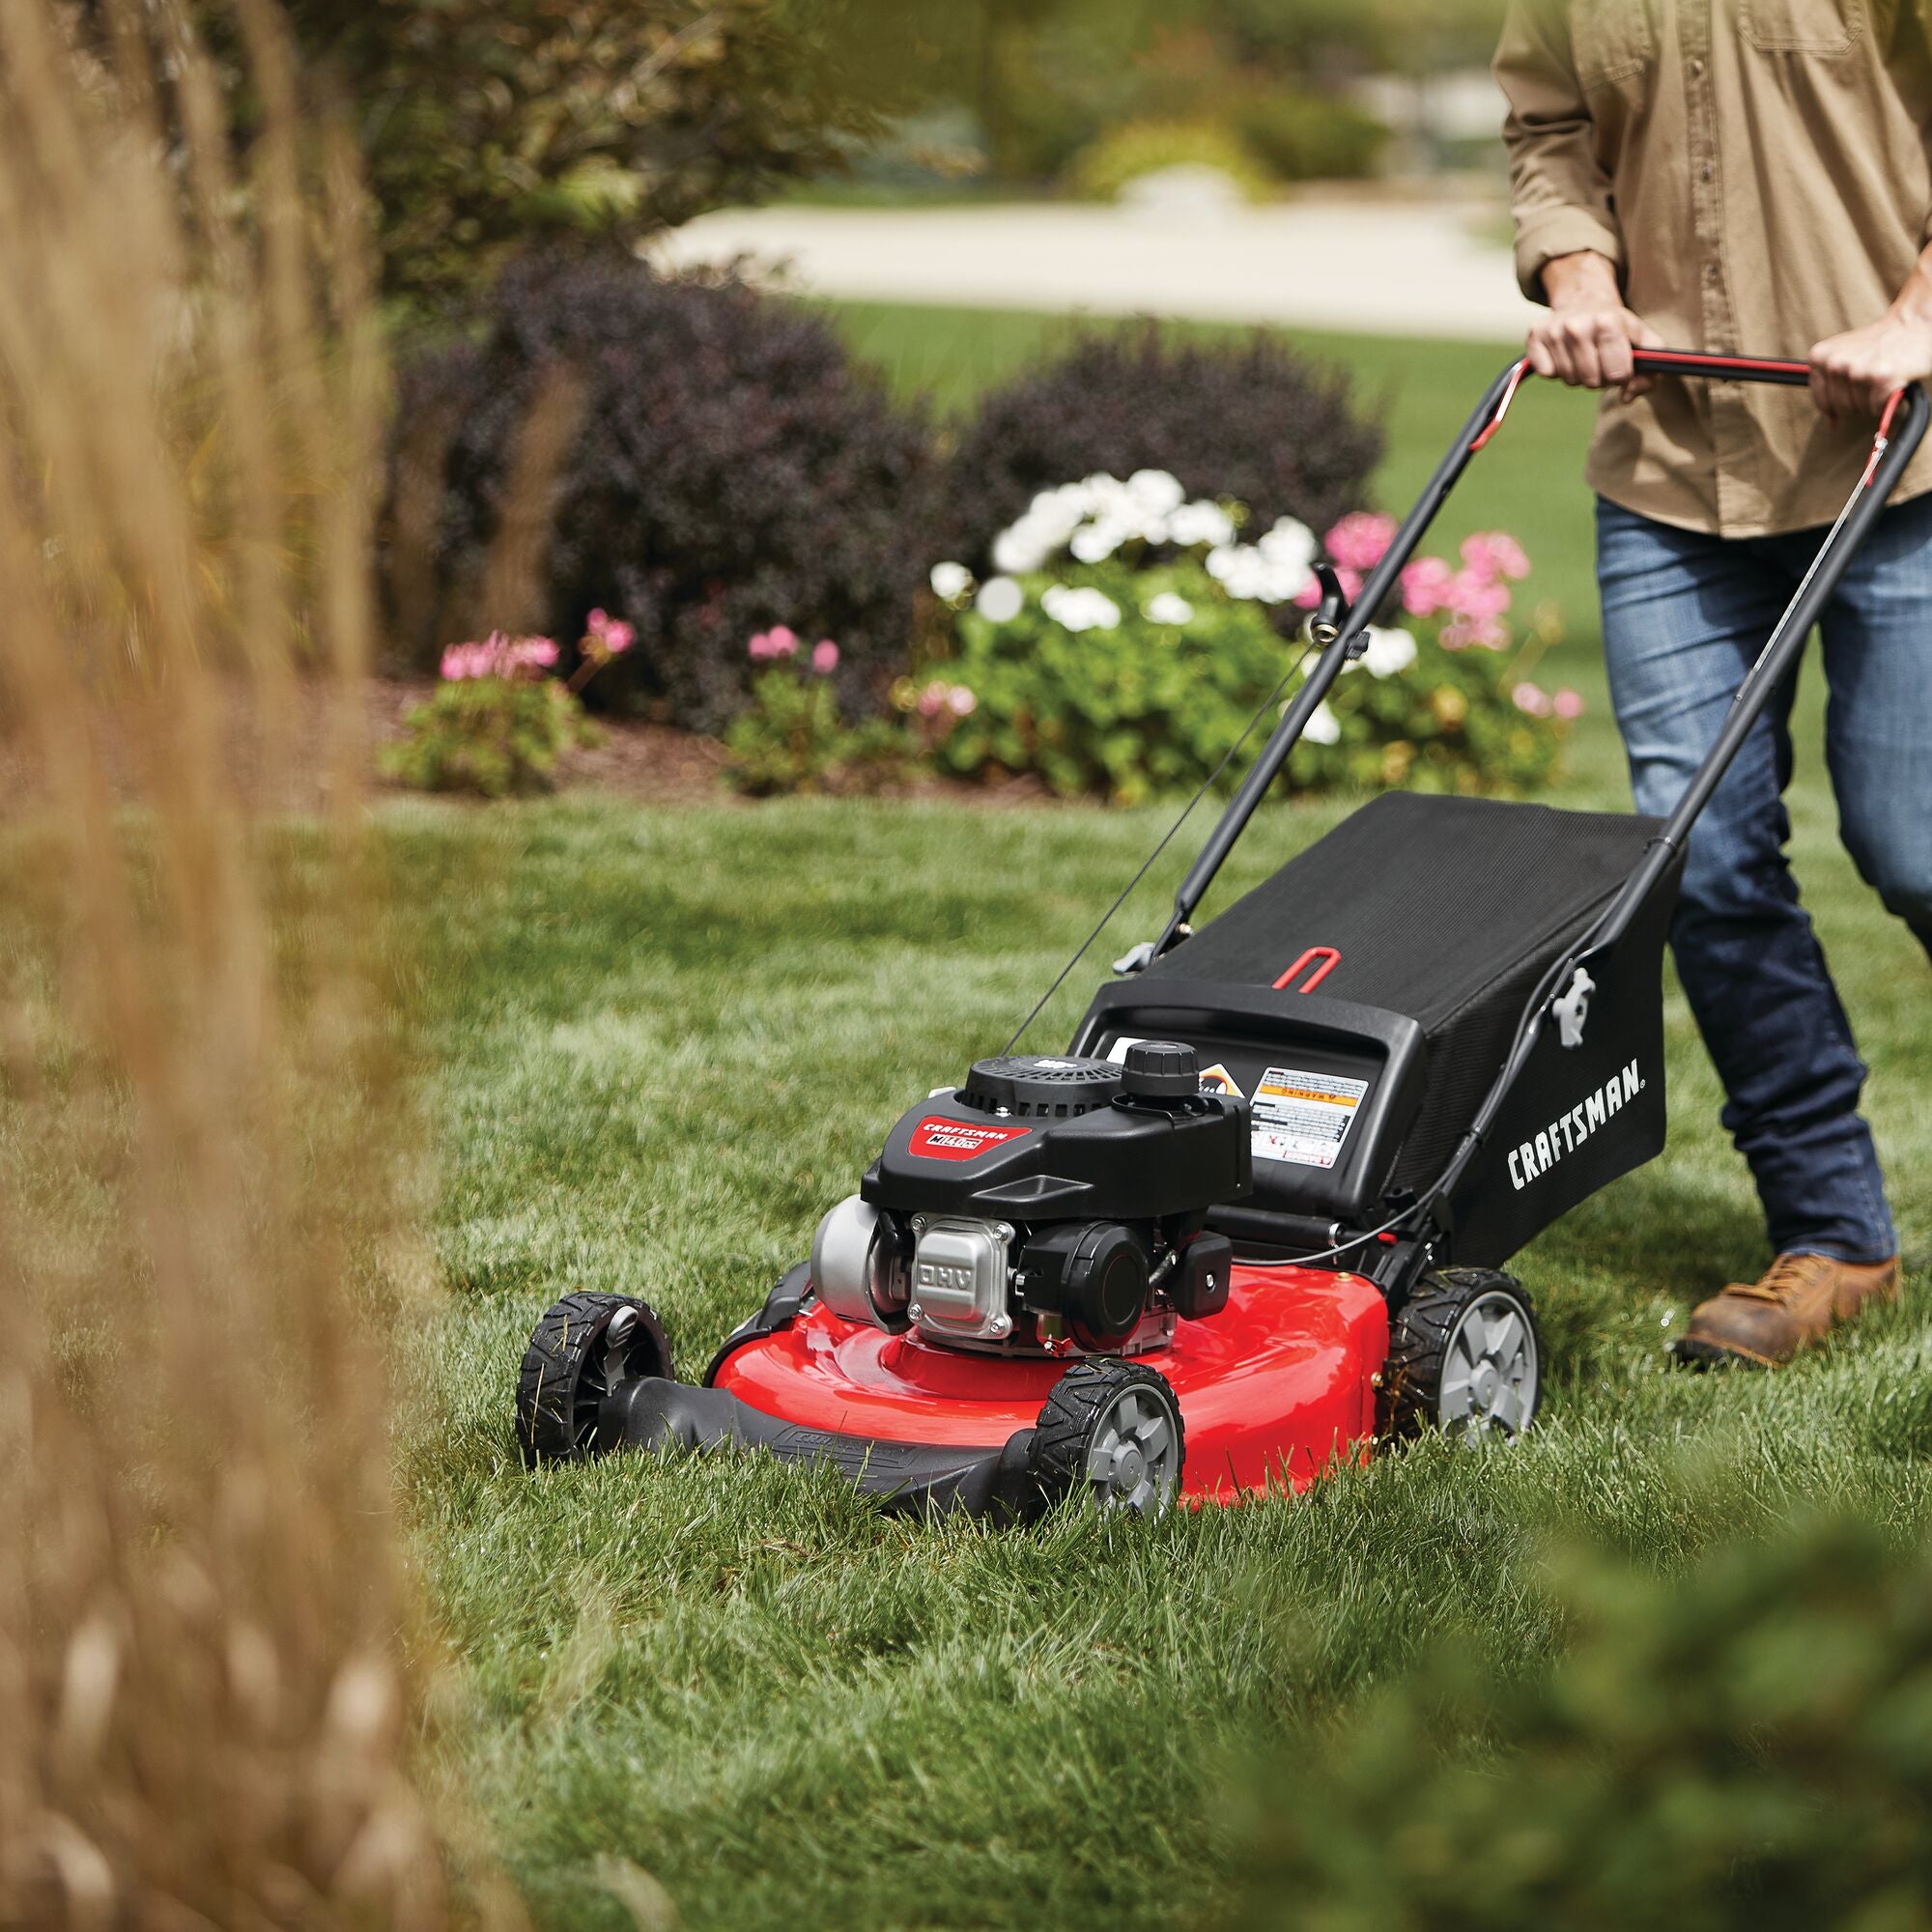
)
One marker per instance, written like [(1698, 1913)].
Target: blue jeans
[(1684, 616)]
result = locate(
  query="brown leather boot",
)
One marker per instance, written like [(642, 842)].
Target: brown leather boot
[(1799, 1301)]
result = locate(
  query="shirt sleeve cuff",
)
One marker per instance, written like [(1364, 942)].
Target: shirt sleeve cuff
[(1548, 232)]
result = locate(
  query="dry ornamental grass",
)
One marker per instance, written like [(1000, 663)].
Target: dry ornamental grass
[(207, 1708)]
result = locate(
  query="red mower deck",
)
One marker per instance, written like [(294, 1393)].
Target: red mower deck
[(1271, 1389)]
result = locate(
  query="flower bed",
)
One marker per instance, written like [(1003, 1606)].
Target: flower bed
[(1130, 633)]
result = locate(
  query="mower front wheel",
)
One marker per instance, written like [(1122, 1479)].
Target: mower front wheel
[(1465, 1357), (582, 1348), (1111, 1431)]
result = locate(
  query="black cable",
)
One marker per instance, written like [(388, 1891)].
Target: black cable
[(1126, 891), (1334, 1253)]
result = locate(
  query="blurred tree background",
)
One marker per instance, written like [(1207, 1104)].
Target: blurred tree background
[(1026, 85), (487, 124)]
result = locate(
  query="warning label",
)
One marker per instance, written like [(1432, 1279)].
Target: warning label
[(1304, 1118)]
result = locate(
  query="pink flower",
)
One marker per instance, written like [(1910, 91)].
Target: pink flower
[(1360, 541), (498, 656), (825, 656), (463, 662), (614, 636), (1476, 596), (779, 642), (1568, 704), (1532, 700), (530, 654), (1425, 586), (961, 702), (1495, 554), (1489, 632)]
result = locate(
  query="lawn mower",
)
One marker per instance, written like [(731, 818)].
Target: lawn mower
[(1257, 1215)]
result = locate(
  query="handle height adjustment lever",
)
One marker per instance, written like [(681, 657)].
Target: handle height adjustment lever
[(1333, 610)]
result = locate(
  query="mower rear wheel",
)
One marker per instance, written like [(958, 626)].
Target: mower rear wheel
[(1465, 1356), (579, 1353), (1112, 1431)]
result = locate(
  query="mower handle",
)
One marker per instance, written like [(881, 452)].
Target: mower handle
[(1901, 430), (1698, 366)]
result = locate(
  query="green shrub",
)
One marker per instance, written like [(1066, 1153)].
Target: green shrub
[(1131, 674), (1746, 1746), (1312, 136), (1105, 167), (730, 466), (491, 735), (498, 723), (1248, 418), (792, 737)]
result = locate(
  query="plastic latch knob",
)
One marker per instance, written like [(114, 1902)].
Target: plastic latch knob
[(1571, 1008), (1161, 1069)]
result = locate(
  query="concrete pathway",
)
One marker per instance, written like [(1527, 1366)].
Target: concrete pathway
[(1435, 268)]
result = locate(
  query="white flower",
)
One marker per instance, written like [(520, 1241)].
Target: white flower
[(1095, 543), (1094, 517), (1200, 523), (1389, 653), (950, 579), (1082, 608), (1019, 548), (1169, 608), (1000, 600), (1157, 494), (1323, 727), (1056, 514), (1248, 571), (1289, 544)]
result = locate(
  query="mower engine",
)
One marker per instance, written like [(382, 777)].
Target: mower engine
[(1047, 1206)]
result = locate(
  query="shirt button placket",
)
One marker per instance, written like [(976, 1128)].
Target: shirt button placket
[(1729, 421)]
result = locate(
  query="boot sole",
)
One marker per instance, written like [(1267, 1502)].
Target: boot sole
[(1691, 1352)]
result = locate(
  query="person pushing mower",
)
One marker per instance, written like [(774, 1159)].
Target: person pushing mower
[(1731, 175)]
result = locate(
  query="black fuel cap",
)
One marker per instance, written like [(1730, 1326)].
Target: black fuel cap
[(1161, 1069)]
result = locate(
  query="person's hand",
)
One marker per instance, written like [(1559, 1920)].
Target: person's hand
[(1586, 335), (1858, 373)]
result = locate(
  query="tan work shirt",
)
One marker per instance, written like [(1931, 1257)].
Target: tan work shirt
[(1760, 171)]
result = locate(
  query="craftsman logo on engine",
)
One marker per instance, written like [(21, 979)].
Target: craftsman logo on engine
[(937, 1138), (1568, 1131)]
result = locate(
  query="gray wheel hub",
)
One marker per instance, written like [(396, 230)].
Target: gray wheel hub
[(1134, 1454), (1490, 1370)]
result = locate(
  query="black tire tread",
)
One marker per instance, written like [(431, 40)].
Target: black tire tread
[(1058, 1458), (547, 1381), (1419, 1342)]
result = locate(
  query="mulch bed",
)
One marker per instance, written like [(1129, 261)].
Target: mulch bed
[(651, 764)]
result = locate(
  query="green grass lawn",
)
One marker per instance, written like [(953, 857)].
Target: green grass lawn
[(669, 1039)]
